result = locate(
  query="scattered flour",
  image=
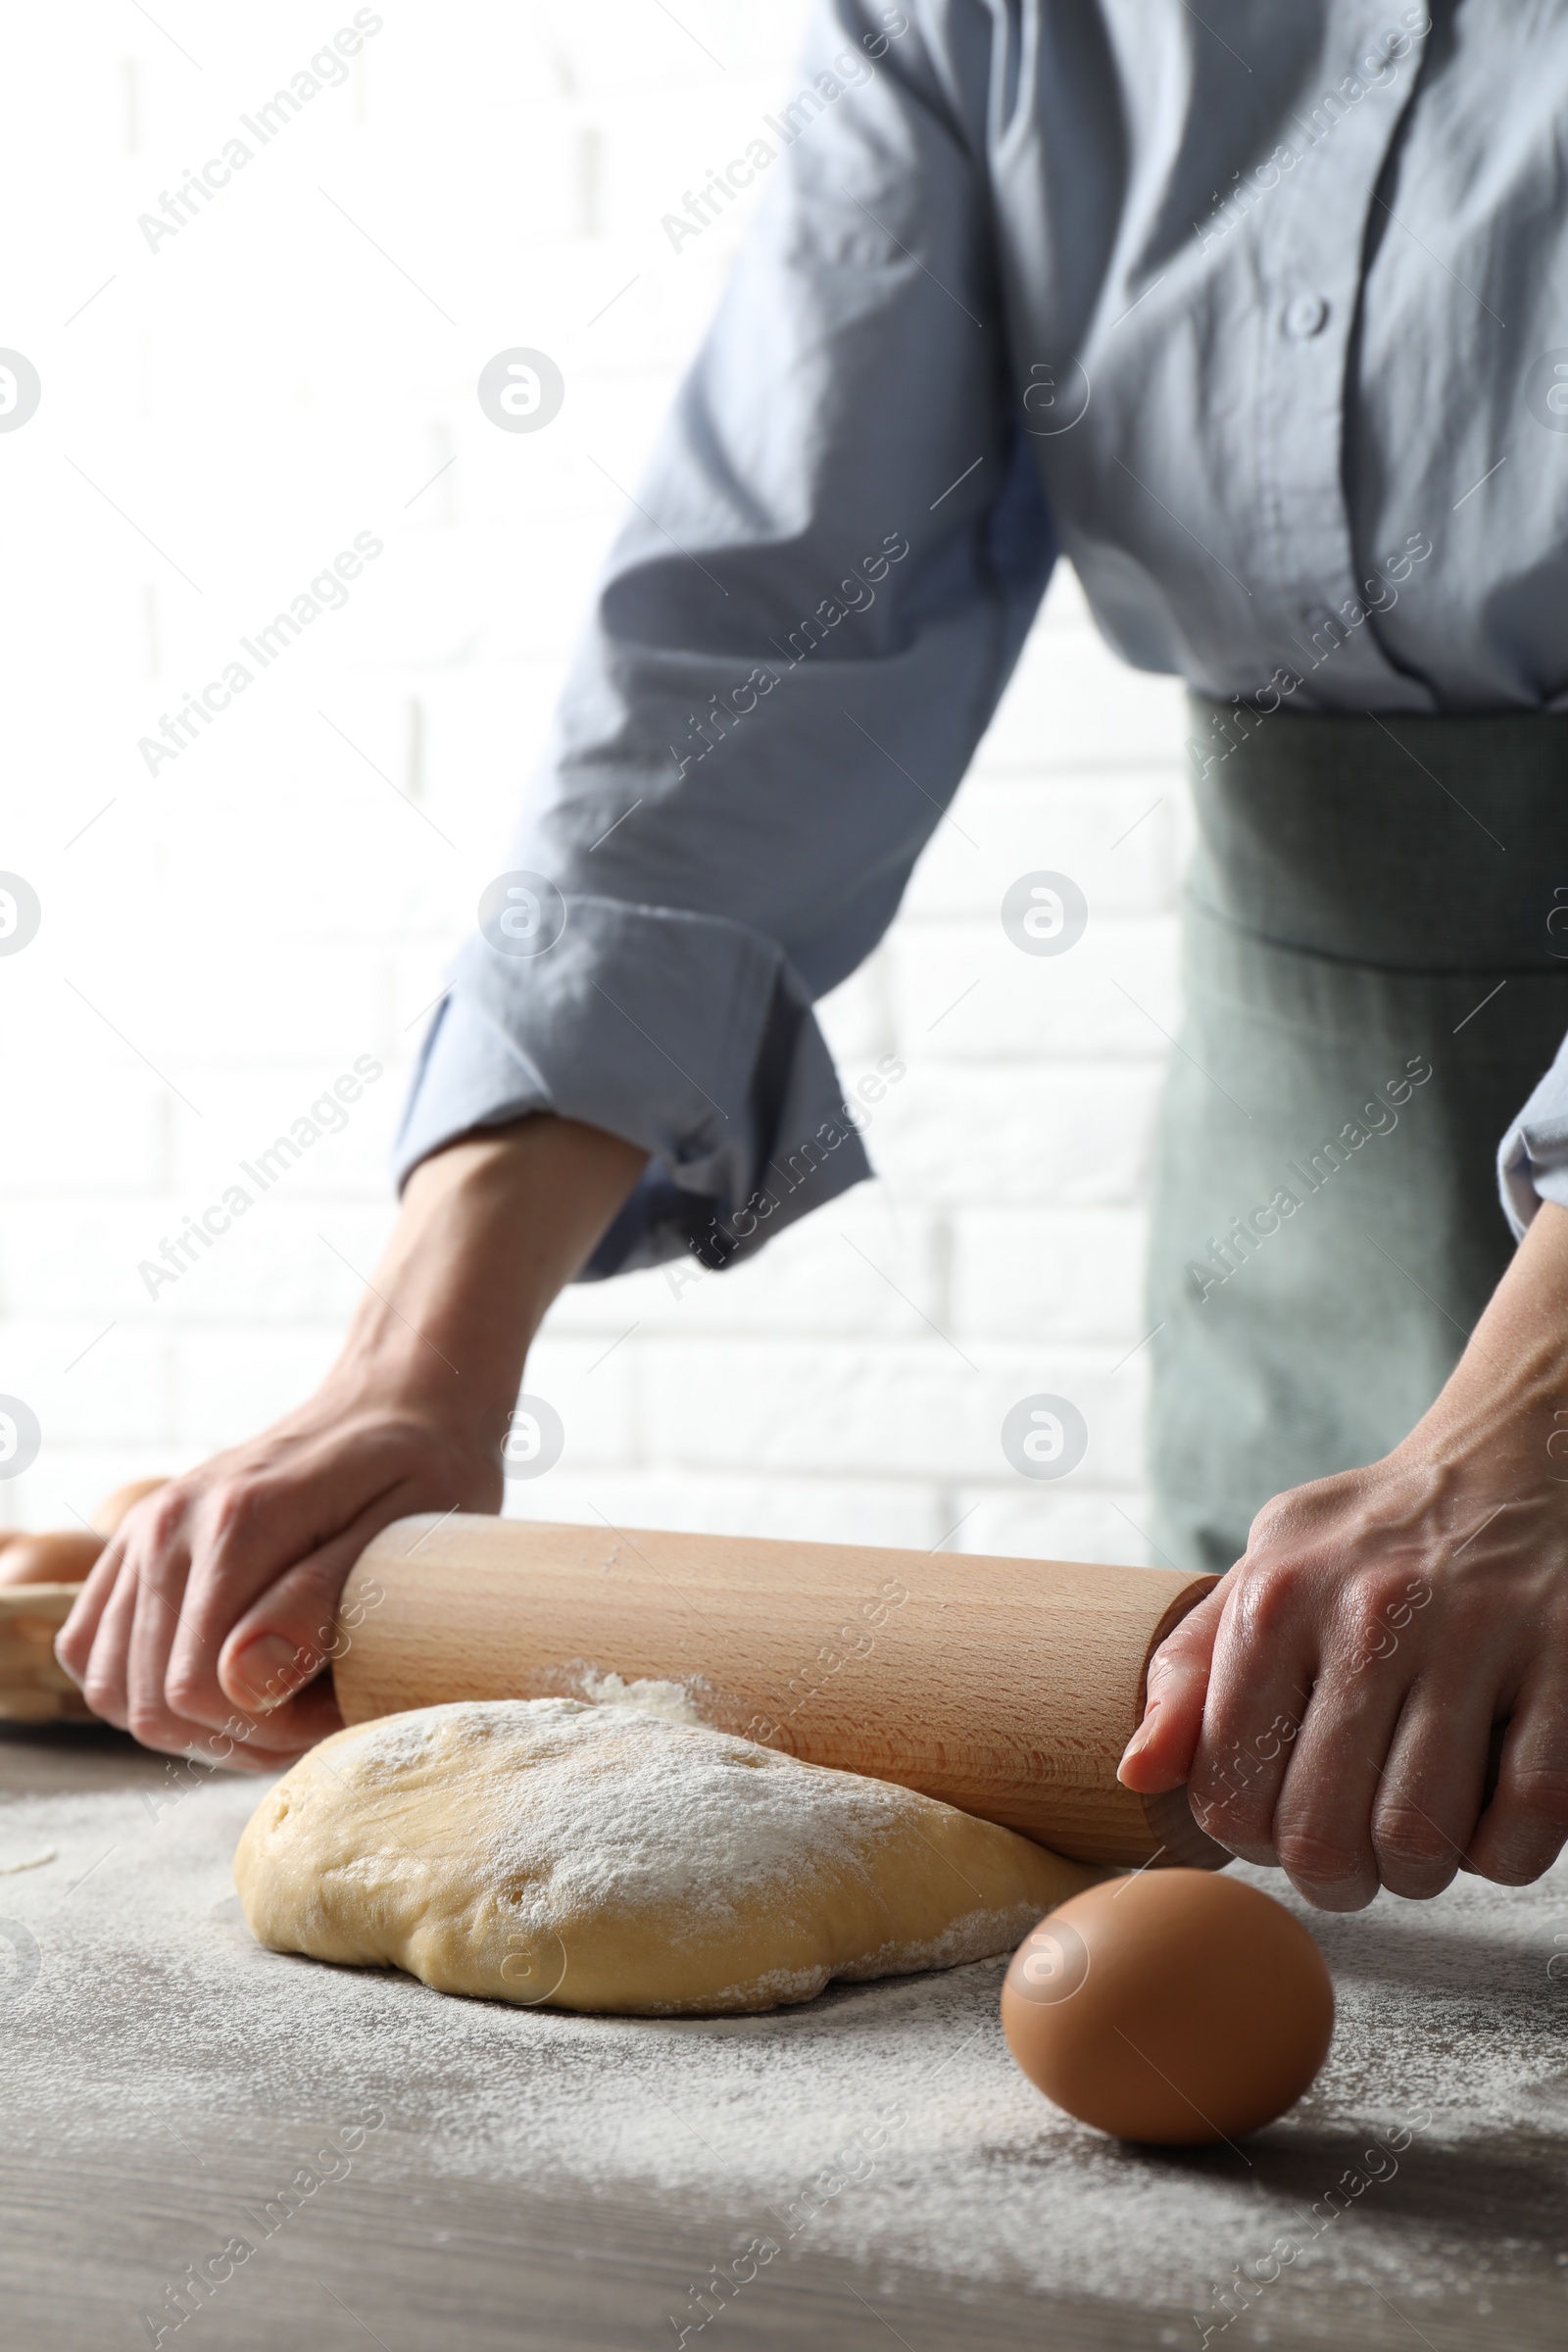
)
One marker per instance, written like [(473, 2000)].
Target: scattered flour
[(151, 2005)]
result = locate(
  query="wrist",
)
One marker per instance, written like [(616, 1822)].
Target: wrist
[(1507, 1399), (490, 1229), (408, 1368)]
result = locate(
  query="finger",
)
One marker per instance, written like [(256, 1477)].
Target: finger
[(1432, 1786), (1241, 1764), (156, 1525), (1523, 1829), (259, 1760), (103, 1681), (1160, 1754), (74, 1640), (159, 1587), (289, 1633), (248, 1742), (298, 1724), (262, 1530), (1321, 1830), (254, 1744), (136, 1634), (1259, 1686)]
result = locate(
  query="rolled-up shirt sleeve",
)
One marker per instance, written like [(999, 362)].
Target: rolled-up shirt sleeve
[(799, 638), (1533, 1156)]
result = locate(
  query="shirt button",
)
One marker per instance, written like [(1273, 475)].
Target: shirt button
[(1304, 316)]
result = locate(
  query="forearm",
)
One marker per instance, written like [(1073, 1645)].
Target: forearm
[(490, 1230), (1498, 1409)]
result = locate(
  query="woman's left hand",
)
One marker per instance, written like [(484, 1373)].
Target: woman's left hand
[(1377, 1693)]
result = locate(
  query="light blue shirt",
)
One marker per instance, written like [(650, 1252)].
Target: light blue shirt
[(1252, 313)]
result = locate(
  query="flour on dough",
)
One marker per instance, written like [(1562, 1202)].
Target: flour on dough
[(659, 1698), (610, 1858)]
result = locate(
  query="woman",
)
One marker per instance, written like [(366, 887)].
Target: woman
[(1250, 319)]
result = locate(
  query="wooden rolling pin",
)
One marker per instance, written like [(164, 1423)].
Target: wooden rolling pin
[(1008, 1688), (33, 1688)]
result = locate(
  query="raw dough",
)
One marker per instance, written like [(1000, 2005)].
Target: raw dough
[(608, 1859)]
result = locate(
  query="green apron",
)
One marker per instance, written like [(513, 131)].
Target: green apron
[(1373, 985)]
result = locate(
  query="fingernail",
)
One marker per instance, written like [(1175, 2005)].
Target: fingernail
[(267, 1671), (1140, 1738)]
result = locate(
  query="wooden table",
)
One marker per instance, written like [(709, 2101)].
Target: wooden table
[(106, 2197)]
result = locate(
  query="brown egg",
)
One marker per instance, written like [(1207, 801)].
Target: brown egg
[(60, 1556), (1175, 2006), (110, 1512)]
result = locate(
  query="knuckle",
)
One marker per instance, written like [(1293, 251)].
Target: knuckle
[(1168, 1659), (1319, 1859), (1363, 1627), (1378, 1597), (105, 1697), (1288, 1519), (161, 1516), (1540, 1791), (1416, 1885), (1407, 1840), (1242, 1827), (1211, 1802), (235, 1509), (185, 1692), (1517, 1858), (1268, 1530), (1228, 1804), (1345, 1894), (1268, 1597), (147, 1721), (1256, 1850)]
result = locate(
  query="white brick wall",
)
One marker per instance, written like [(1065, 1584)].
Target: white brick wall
[(222, 940)]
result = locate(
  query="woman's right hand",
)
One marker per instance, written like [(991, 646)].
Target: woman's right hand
[(212, 1610)]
